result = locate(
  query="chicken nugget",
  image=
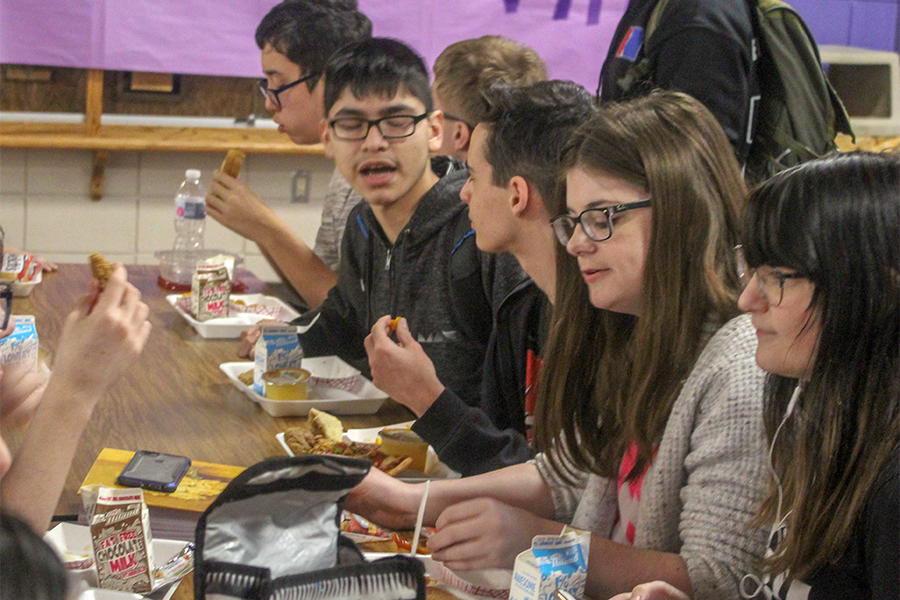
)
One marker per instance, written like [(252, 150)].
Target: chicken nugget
[(101, 269), (233, 162), (395, 322)]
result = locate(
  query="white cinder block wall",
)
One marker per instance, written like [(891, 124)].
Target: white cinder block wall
[(45, 205)]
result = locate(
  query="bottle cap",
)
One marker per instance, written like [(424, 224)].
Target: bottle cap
[(192, 174)]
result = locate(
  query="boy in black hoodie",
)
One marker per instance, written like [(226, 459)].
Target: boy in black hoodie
[(409, 249)]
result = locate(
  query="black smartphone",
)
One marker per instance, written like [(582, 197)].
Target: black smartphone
[(154, 471)]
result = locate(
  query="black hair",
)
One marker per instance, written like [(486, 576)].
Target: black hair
[(379, 66), (836, 221), (528, 128), (308, 32), (29, 568)]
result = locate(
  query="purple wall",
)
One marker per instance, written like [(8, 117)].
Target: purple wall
[(869, 24), (215, 37)]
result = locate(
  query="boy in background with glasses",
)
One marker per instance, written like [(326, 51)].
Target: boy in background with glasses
[(295, 38), (408, 250), (513, 173)]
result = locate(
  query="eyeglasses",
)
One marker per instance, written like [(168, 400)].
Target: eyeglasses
[(6, 296), (597, 223), (395, 127), (769, 280), (272, 95)]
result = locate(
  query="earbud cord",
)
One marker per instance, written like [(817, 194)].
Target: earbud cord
[(779, 520)]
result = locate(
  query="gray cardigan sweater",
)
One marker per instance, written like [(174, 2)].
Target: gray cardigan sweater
[(708, 477)]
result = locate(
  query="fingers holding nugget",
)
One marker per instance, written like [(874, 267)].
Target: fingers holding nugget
[(101, 269)]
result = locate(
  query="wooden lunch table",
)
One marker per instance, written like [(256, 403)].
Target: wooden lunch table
[(174, 398)]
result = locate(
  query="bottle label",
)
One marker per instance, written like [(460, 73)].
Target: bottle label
[(189, 210)]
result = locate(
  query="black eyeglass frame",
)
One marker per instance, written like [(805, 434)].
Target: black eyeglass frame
[(746, 273), (564, 237), (272, 94), (416, 119)]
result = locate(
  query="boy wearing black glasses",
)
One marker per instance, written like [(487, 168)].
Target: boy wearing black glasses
[(409, 249), (295, 39)]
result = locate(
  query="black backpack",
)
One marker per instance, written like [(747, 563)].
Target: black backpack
[(797, 114)]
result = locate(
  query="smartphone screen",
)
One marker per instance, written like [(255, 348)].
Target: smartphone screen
[(154, 471)]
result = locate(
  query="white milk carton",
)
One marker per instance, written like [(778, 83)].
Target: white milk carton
[(20, 348), (278, 347), (555, 562)]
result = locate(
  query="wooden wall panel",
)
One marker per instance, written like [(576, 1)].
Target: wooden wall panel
[(200, 95)]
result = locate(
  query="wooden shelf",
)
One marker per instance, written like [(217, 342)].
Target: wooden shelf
[(102, 139), (148, 138)]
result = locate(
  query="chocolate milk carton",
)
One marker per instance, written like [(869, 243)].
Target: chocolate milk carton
[(210, 291), (120, 531)]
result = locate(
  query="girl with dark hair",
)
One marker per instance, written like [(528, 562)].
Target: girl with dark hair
[(821, 268), (649, 411)]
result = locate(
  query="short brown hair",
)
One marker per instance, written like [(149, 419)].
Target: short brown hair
[(466, 69)]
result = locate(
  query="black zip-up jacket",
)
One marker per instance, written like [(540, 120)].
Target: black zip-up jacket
[(491, 435), (700, 47), (433, 275)]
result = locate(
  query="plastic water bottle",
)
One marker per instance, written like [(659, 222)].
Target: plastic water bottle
[(190, 222)]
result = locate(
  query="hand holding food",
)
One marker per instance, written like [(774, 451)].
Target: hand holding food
[(402, 369), (101, 269), (99, 342), (235, 206)]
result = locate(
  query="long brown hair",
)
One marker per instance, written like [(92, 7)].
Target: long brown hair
[(610, 379), (837, 222)]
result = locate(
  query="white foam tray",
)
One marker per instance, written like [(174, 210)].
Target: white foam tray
[(77, 539), (21, 288), (365, 400), (231, 327), (435, 469)]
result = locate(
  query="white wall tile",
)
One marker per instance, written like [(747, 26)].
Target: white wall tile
[(220, 237), (258, 265), (59, 173), (269, 175), (12, 217), (78, 224), (162, 172), (12, 170), (44, 203), (155, 227), (121, 174)]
